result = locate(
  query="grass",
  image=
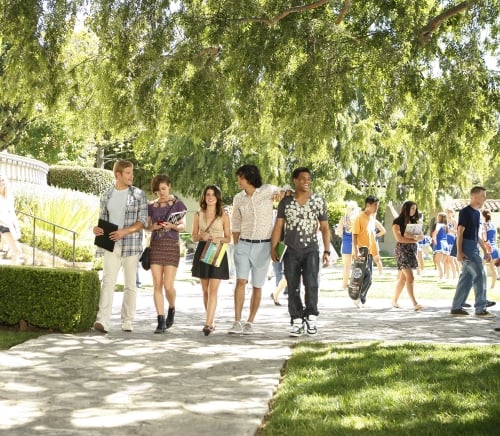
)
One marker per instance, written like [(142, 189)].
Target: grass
[(9, 338), (380, 389)]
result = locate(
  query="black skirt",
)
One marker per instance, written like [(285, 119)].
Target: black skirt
[(203, 270)]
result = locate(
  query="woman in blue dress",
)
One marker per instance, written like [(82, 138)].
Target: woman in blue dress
[(490, 236), (452, 266), (344, 230), (441, 248)]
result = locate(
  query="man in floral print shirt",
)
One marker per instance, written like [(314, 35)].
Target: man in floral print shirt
[(300, 215)]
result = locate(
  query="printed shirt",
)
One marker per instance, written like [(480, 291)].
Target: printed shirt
[(301, 222), (252, 215), (159, 214), (136, 210)]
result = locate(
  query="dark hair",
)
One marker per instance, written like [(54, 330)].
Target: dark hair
[(251, 173), (219, 209), (157, 180), (371, 199), (405, 212), (477, 189), (297, 171), (487, 215)]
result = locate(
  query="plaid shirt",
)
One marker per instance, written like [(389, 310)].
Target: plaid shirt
[(135, 211)]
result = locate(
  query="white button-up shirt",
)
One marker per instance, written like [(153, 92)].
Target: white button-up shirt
[(252, 214)]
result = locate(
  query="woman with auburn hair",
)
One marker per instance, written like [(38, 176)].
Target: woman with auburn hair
[(166, 219), (406, 251), (210, 224)]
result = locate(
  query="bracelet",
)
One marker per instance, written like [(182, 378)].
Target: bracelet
[(326, 252)]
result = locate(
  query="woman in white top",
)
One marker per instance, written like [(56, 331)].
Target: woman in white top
[(9, 227)]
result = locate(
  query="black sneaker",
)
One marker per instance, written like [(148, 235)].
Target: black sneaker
[(459, 312), (486, 314), (490, 303), (466, 305)]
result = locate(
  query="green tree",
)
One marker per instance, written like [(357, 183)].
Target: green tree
[(392, 93)]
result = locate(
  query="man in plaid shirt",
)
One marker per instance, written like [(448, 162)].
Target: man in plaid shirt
[(127, 207)]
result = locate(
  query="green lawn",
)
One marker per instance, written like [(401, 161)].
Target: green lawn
[(380, 389), (9, 338)]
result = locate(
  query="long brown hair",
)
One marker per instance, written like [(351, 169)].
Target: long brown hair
[(219, 208)]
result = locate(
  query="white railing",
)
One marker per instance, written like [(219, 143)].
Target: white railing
[(23, 169)]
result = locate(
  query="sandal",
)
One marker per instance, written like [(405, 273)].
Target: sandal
[(396, 306), (208, 329), (276, 302), (418, 307)]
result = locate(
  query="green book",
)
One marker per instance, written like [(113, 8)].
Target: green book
[(281, 250)]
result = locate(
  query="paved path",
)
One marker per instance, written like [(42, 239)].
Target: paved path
[(183, 383)]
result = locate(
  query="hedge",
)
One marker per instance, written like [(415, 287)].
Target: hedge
[(54, 298), (90, 180)]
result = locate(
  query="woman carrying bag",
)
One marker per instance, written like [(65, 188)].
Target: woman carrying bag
[(210, 224)]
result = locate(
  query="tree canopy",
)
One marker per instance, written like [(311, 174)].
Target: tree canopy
[(392, 93)]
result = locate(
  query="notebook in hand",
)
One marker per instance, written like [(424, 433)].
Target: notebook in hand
[(176, 217), (281, 250), (414, 229), (103, 241)]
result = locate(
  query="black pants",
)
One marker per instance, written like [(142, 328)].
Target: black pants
[(367, 279)]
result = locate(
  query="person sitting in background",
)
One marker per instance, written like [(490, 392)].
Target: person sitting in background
[(9, 226)]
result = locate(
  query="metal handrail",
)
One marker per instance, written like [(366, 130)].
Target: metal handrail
[(35, 218)]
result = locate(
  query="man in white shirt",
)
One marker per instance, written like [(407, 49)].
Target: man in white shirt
[(252, 225)]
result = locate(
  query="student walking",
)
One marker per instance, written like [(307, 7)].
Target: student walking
[(363, 235), (125, 206), (299, 216), (468, 253), (210, 224), (166, 219), (252, 224), (406, 252)]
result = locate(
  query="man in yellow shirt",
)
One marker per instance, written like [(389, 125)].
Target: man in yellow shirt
[(363, 235)]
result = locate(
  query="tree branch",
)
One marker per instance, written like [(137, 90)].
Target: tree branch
[(343, 12), (432, 25), (293, 10)]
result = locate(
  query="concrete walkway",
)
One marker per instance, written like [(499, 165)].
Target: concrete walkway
[(183, 383)]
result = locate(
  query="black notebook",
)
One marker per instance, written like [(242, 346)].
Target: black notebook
[(103, 241)]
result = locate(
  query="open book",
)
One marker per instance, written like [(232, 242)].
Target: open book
[(176, 217)]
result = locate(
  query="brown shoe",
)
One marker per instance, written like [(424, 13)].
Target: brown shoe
[(99, 327), (497, 329)]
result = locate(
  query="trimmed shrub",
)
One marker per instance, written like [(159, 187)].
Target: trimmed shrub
[(90, 180), (61, 299)]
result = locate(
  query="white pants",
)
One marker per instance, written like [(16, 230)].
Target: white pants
[(112, 263)]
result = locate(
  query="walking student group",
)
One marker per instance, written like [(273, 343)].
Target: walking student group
[(263, 217)]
